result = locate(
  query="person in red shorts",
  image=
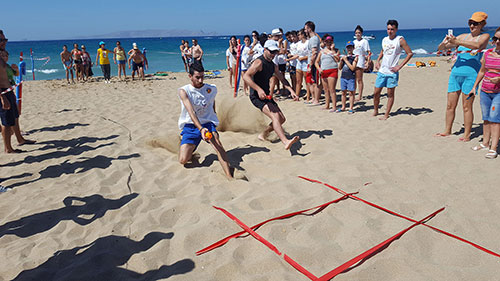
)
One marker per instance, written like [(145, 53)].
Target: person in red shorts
[(327, 65)]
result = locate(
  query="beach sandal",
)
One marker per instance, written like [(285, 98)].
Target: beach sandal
[(479, 147), (492, 154), (2, 188), (338, 110), (351, 111)]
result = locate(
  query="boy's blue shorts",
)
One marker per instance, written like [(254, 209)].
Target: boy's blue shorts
[(190, 134)]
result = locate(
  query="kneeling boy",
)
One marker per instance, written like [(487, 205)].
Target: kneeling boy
[(198, 119)]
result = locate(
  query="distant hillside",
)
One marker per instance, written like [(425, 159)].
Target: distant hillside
[(152, 33)]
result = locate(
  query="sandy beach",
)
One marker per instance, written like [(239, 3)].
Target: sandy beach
[(101, 195)]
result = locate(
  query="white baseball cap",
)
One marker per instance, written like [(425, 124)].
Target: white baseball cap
[(276, 31), (271, 45), (134, 45)]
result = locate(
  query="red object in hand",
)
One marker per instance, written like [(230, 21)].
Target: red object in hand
[(269, 97), (208, 135)]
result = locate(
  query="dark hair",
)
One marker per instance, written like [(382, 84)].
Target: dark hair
[(233, 37), (498, 29), (246, 36), (358, 28), (182, 41), (393, 23), (255, 32), (325, 36), (118, 42), (65, 46), (195, 40), (303, 32), (281, 30), (311, 25), (196, 66), (288, 33), (293, 32), (262, 39)]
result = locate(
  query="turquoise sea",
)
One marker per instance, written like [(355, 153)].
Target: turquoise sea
[(163, 53)]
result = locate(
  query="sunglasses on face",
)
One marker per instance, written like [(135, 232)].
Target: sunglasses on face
[(274, 52), (474, 23), (4, 40), (494, 39)]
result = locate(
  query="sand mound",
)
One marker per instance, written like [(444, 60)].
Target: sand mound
[(239, 115), (170, 142)]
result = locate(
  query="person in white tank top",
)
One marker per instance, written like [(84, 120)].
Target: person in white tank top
[(388, 71), (362, 50), (198, 119)]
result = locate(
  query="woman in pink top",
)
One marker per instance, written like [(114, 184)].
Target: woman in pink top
[(490, 97)]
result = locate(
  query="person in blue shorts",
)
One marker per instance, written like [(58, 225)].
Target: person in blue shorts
[(198, 120), (388, 70)]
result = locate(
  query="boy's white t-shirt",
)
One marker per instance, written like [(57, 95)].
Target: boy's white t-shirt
[(202, 100)]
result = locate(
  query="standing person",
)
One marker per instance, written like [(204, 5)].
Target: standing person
[(231, 53), (291, 36), (198, 120), (301, 68), (187, 54), (312, 76), (257, 77), (87, 63), (328, 67), (280, 59), (490, 98), (9, 114), (347, 79), (197, 52), (181, 47), (257, 45), (138, 60), (103, 60), (362, 50), (464, 72), (119, 56), (388, 71), (246, 58), (78, 62), (67, 62)]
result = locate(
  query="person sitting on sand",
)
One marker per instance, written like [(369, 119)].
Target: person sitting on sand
[(388, 70), (464, 72), (198, 120), (138, 59), (67, 62), (257, 77)]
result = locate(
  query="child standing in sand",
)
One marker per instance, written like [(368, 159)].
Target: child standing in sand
[(347, 79), (198, 119)]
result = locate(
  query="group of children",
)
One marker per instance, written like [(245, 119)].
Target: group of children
[(296, 58)]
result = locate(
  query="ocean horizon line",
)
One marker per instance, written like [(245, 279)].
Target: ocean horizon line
[(227, 35)]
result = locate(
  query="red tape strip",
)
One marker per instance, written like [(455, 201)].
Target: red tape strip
[(255, 227), (268, 244), (404, 217), (373, 250)]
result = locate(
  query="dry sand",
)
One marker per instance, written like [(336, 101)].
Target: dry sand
[(101, 195)]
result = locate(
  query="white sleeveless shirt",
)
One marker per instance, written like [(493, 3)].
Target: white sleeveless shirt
[(202, 100), (392, 51)]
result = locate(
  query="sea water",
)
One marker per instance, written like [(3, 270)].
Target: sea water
[(163, 54)]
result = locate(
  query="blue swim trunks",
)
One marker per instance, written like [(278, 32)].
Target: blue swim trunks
[(387, 80), (190, 134), (463, 83), (122, 62), (347, 84)]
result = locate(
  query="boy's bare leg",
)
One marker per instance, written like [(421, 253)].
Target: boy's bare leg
[(376, 100), (277, 119), (390, 101), (186, 153)]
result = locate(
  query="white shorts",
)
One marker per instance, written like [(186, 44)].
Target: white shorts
[(302, 65)]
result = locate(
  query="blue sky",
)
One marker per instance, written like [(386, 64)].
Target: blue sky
[(56, 19)]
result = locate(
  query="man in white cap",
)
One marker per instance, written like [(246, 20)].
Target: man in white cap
[(257, 77), (137, 58), (280, 59)]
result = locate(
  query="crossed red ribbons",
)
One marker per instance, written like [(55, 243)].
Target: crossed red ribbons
[(342, 268)]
